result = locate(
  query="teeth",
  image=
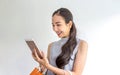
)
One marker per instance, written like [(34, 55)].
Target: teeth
[(59, 33)]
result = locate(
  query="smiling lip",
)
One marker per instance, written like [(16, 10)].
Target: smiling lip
[(58, 33)]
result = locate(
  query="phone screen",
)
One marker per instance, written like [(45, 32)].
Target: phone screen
[(31, 44)]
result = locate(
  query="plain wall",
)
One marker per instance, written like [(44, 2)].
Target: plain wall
[(97, 22)]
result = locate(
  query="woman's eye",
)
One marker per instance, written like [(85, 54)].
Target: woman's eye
[(58, 25)]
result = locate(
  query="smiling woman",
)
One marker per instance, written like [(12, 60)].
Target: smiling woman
[(60, 27), (66, 56), (97, 22)]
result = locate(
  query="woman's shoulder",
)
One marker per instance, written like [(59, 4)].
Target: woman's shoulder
[(81, 41), (83, 44), (48, 51), (50, 44)]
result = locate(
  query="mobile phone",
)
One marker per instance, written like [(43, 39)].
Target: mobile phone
[(31, 44)]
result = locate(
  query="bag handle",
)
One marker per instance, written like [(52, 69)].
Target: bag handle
[(69, 72), (36, 71)]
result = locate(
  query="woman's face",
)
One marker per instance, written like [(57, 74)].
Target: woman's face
[(60, 27)]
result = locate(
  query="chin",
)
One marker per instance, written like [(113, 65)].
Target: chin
[(61, 36)]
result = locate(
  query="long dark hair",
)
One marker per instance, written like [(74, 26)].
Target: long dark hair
[(68, 47)]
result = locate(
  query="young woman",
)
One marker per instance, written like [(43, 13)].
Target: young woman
[(66, 56)]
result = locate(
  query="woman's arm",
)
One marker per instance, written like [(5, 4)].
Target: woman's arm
[(78, 64), (80, 58)]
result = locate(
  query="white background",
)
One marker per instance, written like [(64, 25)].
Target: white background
[(97, 22)]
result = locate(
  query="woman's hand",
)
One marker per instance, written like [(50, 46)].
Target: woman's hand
[(43, 69), (42, 61)]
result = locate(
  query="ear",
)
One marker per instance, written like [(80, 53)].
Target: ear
[(70, 24)]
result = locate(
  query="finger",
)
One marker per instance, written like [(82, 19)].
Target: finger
[(35, 53), (44, 56), (42, 68), (34, 57), (42, 53), (39, 54), (37, 57)]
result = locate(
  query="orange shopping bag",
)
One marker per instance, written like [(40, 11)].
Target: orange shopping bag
[(36, 72)]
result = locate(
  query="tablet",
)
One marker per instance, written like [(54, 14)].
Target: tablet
[(31, 44)]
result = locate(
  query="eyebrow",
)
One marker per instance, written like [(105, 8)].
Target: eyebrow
[(56, 22)]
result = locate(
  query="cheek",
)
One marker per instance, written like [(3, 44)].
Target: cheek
[(65, 30), (61, 28)]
